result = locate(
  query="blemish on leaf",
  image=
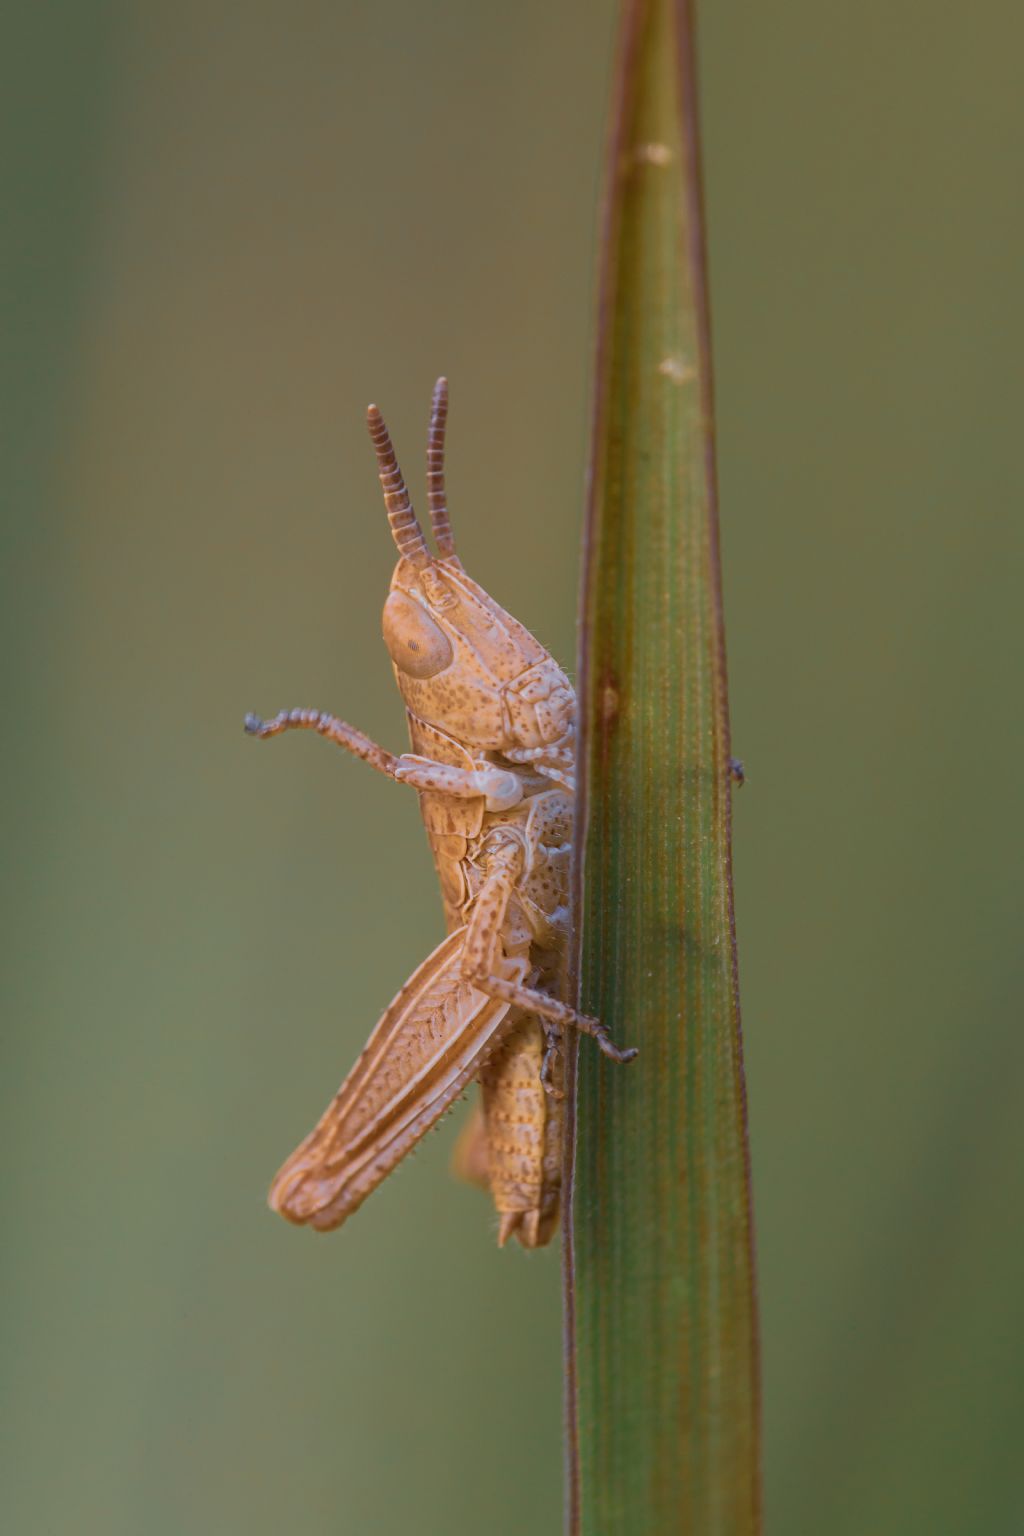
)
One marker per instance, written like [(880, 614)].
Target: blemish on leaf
[(653, 154), (677, 369), (609, 702)]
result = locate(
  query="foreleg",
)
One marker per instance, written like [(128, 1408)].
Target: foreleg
[(498, 787), (329, 726)]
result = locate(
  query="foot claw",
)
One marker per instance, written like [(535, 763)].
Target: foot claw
[(619, 1053), (604, 1040)]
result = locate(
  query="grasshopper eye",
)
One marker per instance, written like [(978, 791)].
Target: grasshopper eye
[(417, 645)]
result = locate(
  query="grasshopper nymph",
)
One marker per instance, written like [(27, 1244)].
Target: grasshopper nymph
[(491, 722)]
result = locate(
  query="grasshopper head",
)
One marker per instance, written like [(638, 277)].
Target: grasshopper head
[(462, 663)]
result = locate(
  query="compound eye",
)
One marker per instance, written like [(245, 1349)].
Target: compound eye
[(418, 646)]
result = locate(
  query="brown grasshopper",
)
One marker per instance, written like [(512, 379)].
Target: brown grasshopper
[(491, 721)]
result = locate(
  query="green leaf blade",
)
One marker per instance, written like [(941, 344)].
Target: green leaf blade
[(661, 1316)]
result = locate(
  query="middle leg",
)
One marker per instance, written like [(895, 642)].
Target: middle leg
[(483, 947)]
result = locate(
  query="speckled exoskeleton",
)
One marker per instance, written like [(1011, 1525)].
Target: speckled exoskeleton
[(491, 721)]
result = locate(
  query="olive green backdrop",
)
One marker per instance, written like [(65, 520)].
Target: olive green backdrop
[(227, 228)]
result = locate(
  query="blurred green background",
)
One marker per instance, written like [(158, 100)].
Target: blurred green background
[(226, 229)]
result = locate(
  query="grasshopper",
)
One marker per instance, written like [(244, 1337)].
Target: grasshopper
[(491, 723)]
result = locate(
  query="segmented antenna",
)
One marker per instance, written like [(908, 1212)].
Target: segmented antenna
[(436, 496), (405, 529)]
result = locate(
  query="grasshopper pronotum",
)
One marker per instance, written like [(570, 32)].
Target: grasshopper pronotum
[(491, 721)]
